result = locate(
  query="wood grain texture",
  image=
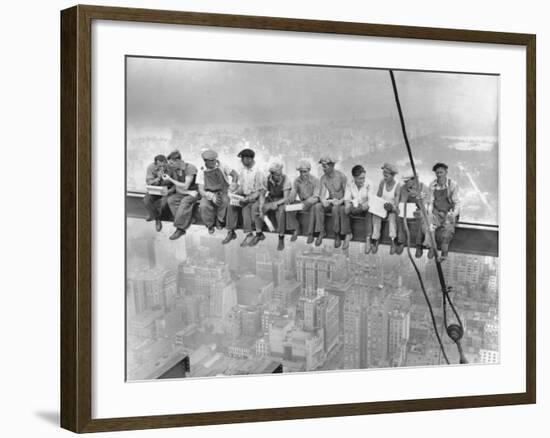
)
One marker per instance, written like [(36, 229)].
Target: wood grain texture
[(76, 220)]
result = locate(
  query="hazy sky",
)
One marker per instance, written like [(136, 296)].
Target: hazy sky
[(167, 93)]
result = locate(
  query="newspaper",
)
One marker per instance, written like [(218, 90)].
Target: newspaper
[(156, 190), (376, 207), (411, 208), (235, 199), (294, 207), (269, 224)]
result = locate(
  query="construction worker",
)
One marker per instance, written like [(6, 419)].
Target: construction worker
[(388, 190), (251, 184), (331, 195), (213, 181), (155, 204), (305, 187), (356, 202), (181, 202), (413, 193), (444, 207), (273, 201)]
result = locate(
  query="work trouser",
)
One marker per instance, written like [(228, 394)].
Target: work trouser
[(278, 216), (210, 212), (319, 211), (181, 206), (248, 211), (155, 204), (355, 211), (444, 226), (377, 226), (422, 235), (292, 219)]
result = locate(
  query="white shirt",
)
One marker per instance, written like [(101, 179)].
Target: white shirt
[(356, 195), (251, 179)]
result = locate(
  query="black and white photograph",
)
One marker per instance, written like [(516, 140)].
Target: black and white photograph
[(287, 218)]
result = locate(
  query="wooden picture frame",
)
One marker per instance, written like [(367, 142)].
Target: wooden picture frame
[(76, 217)]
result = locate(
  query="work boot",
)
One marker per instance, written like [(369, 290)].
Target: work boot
[(347, 239), (149, 218), (257, 238), (247, 239), (418, 252), (281, 244), (319, 239), (211, 230), (295, 236), (158, 224), (399, 248), (368, 245), (220, 225), (310, 238), (230, 236), (177, 234), (375, 243), (392, 246), (337, 240), (431, 253)]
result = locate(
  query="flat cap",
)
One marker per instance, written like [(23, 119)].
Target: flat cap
[(276, 166), (391, 168), (327, 159), (246, 153), (438, 165), (303, 165), (209, 154)]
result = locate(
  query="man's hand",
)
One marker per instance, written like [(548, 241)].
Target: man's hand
[(166, 177), (338, 202), (217, 199), (388, 207), (364, 205), (309, 202), (233, 187), (442, 214)]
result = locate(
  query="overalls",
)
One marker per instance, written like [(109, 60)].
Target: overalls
[(446, 225), (214, 182)]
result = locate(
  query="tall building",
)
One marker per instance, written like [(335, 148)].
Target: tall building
[(151, 288), (355, 331), (269, 268), (316, 269), (252, 290), (488, 356), (376, 354), (278, 331), (286, 294), (251, 321), (398, 332), (223, 298)]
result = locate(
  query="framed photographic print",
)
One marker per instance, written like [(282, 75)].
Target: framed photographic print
[(270, 218)]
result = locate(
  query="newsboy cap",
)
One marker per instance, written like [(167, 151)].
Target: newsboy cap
[(246, 153), (209, 154), (303, 165), (438, 165), (276, 166), (327, 159), (391, 168)]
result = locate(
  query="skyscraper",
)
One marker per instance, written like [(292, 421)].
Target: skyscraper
[(316, 269)]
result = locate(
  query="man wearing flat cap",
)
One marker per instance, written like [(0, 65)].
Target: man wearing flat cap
[(213, 181), (331, 197), (388, 190), (304, 188), (155, 204), (273, 201), (413, 193), (181, 202), (250, 185), (444, 207)]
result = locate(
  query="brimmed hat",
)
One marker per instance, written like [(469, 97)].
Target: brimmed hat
[(246, 153), (276, 166), (391, 168), (209, 154), (303, 165)]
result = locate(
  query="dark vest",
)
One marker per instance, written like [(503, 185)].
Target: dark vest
[(275, 191), (214, 181)]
